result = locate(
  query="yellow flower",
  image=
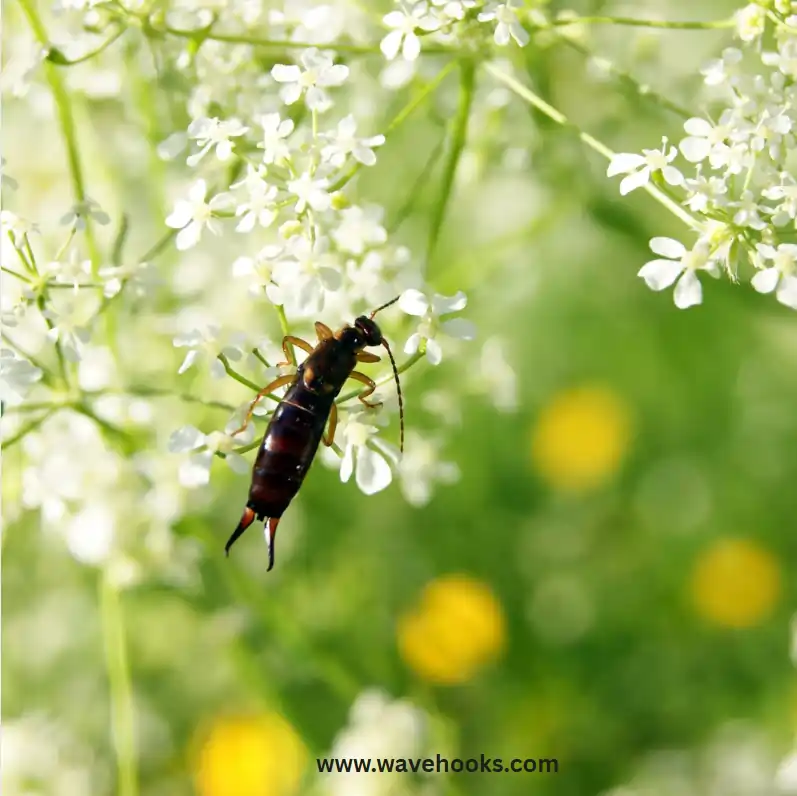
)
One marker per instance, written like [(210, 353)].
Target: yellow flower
[(456, 629), (581, 438), (249, 756), (736, 583)]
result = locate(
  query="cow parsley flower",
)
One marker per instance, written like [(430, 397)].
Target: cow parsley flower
[(17, 376), (259, 270), (421, 467), (206, 345), (310, 190), (307, 274), (413, 302), (87, 209), (261, 208), (403, 36), (275, 133), (508, 26), (343, 143), (371, 469), (191, 216), (360, 228), (67, 331), (195, 471), (640, 167), (660, 274), (318, 72), (781, 276), (214, 132)]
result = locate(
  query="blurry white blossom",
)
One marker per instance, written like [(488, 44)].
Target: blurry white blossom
[(208, 345), (260, 209), (80, 211), (215, 132), (318, 71), (404, 22), (640, 167), (275, 132), (195, 470), (17, 376), (191, 216), (259, 270), (414, 302), (66, 330), (507, 24), (781, 276), (311, 191), (421, 466), (343, 143), (363, 454)]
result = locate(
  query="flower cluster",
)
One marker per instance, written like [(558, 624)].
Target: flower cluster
[(742, 195)]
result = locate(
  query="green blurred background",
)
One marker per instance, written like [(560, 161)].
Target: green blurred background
[(610, 581)]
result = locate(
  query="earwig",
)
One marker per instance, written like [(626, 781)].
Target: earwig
[(297, 426)]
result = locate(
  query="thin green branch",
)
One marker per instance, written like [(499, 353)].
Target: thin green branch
[(67, 121), (458, 136), (592, 142), (634, 22), (416, 357), (228, 369), (12, 272), (55, 56), (31, 425), (118, 669)]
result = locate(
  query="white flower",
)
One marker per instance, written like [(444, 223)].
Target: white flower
[(66, 331), (403, 36), (359, 228), (71, 272), (307, 274), (275, 132), (261, 208), (413, 302), (319, 72), (5, 180), (640, 167), (703, 136), (660, 274), (508, 25), (17, 375), (259, 270), (420, 467), (80, 211), (310, 191), (782, 275), (195, 471), (214, 132), (787, 192), (371, 470), (206, 345), (747, 214), (191, 216), (734, 158), (705, 193), (141, 278), (750, 21), (344, 143), (724, 69)]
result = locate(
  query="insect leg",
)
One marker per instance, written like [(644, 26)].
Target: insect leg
[(329, 437), (365, 393), (323, 331), (364, 356), (280, 382), (289, 339)]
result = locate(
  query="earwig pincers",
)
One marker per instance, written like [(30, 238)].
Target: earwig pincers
[(297, 426)]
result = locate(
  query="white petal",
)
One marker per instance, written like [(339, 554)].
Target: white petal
[(247, 223), (187, 438), (411, 346), (433, 352), (347, 127), (189, 360), (501, 35), (347, 464), (672, 176), (364, 155), (668, 247), (391, 43), (413, 302), (412, 47), (221, 201), (459, 328), (695, 149), (237, 463), (394, 19), (766, 281), (634, 181), (195, 471), (696, 126), (442, 305), (787, 292), (333, 76), (373, 472), (659, 274), (198, 191), (188, 236), (286, 74), (183, 212), (623, 163), (217, 369), (688, 291), (290, 93)]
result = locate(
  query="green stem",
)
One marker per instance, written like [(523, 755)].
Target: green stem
[(242, 379), (644, 23), (120, 683), (285, 330), (67, 121), (12, 272), (56, 57), (592, 142), (32, 425), (459, 132)]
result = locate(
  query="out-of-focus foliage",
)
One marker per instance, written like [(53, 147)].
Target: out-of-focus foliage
[(589, 553)]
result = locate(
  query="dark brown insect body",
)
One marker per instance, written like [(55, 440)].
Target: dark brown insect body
[(297, 426)]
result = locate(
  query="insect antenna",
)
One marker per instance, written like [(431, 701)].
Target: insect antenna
[(379, 309), (398, 389)]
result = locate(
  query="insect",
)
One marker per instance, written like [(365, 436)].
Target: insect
[(297, 426)]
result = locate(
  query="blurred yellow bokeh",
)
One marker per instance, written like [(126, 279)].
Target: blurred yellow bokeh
[(736, 583), (456, 629), (581, 438), (250, 756)]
